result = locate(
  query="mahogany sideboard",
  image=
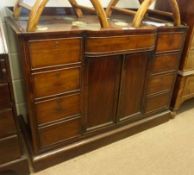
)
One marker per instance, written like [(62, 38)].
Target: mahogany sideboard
[(184, 89), (12, 160), (87, 86)]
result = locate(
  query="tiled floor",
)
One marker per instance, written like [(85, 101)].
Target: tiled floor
[(167, 149)]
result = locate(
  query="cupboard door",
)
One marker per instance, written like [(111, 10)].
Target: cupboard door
[(102, 88), (132, 85)]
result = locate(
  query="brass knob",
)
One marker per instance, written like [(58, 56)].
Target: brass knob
[(56, 44), (4, 70)]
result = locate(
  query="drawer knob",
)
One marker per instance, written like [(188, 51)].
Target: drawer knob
[(56, 44), (4, 70), (59, 108)]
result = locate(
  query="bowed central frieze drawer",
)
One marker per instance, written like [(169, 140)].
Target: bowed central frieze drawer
[(85, 88)]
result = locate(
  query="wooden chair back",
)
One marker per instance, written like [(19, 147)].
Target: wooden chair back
[(39, 5), (37, 9), (143, 9)]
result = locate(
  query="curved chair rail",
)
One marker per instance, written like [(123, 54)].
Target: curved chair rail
[(37, 9), (143, 9)]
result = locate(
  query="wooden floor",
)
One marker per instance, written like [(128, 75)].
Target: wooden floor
[(167, 149)]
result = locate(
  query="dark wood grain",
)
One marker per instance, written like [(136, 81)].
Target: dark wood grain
[(9, 149), (18, 167), (57, 82), (57, 133), (103, 82), (58, 108), (5, 96), (7, 123), (157, 102), (132, 85), (119, 43), (166, 62), (155, 85), (170, 41), (46, 53)]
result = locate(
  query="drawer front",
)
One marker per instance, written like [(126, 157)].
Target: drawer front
[(60, 132), (190, 61), (160, 83), (9, 149), (4, 97), (170, 41), (7, 124), (103, 45), (58, 108), (46, 53), (164, 63), (56, 82), (158, 102)]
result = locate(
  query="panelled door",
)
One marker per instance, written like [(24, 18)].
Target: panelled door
[(103, 78), (115, 88), (133, 79)]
